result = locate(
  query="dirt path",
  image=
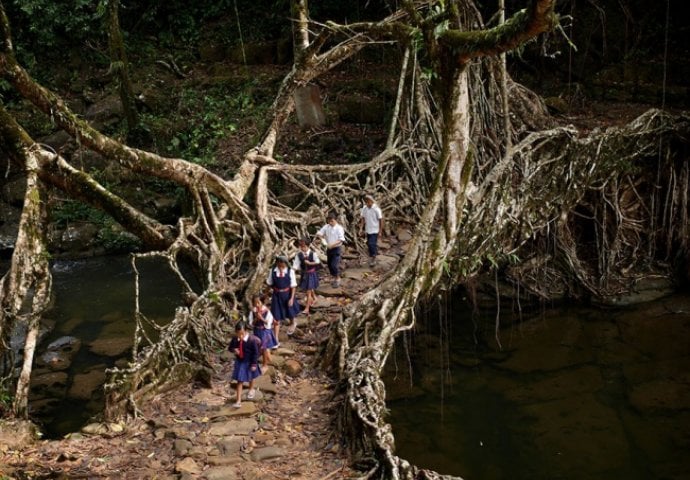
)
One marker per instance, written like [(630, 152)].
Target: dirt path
[(194, 432)]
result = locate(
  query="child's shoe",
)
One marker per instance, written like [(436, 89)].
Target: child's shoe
[(251, 393), (237, 404)]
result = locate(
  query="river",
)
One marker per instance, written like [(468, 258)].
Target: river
[(574, 393), (94, 303)]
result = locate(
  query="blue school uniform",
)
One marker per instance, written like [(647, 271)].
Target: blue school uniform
[(310, 279), (262, 328), (249, 349), (282, 283)]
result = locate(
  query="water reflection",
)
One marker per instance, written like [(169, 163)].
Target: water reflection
[(94, 303), (575, 393)]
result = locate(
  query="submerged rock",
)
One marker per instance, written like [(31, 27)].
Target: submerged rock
[(59, 354), (111, 347)]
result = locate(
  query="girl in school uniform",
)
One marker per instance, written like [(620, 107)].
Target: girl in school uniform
[(261, 320), (306, 261), (284, 306), (247, 349)]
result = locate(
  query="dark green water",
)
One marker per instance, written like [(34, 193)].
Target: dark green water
[(575, 393), (94, 302)]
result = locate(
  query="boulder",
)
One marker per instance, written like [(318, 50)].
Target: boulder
[(293, 367), (59, 354), (78, 236), (309, 108), (106, 108)]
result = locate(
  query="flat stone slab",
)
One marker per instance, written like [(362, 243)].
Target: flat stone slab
[(325, 302), (386, 260), (246, 410), (221, 473), (239, 426), (267, 453), (328, 291), (225, 460), (265, 384), (357, 273)]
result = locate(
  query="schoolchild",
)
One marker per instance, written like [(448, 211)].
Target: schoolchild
[(261, 320), (334, 236), (371, 225), (307, 261), (284, 306), (247, 349)]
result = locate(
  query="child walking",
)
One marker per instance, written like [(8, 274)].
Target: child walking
[(334, 235), (371, 226), (306, 261), (284, 307), (247, 349), (261, 320)]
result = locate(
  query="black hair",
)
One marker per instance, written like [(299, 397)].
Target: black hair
[(241, 325), (303, 240), (332, 214)]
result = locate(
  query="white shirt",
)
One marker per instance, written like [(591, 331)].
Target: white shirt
[(296, 265), (280, 273), (268, 317), (332, 233), (372, 218)]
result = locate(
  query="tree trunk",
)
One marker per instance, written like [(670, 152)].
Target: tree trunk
[(119, 65)]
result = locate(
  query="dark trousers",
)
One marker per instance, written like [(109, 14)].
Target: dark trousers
[(372, 239), (333, 258)]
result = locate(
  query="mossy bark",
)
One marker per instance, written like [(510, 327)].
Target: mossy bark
[(119, 65)]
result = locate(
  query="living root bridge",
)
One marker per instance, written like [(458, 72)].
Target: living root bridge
[(550, 173)]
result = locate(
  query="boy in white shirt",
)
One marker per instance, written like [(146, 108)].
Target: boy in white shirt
[(334, 234), (371, 225)]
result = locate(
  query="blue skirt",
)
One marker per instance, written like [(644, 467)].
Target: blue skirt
[(268, 338), (279, 306), (242, 371), (310, 281)]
